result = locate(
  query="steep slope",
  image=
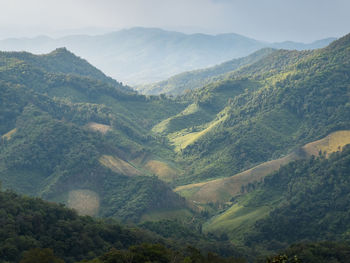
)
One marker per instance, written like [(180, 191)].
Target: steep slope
[(61, 61), (298, 97), (184, 82), (33, 230), (145, 55), (51, 148), (225, 189), (29, 223), (304, 200), (44, 75)]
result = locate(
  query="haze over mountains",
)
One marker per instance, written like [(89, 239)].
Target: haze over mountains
[(252, 158), (146, 55)]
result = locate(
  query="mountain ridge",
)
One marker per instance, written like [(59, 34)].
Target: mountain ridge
[(145, 55)]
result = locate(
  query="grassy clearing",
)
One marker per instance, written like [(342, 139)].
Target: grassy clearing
[(184, 138), (222, 190), (119, 166), (236, 221), (330, 144), (102, 128), (190, 117), (85, 202), (162, 170)]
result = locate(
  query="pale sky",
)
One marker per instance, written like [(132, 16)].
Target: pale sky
[(269, 20)]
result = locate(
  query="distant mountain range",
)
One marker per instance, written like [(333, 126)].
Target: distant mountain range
[(257, 156), (146, 55)]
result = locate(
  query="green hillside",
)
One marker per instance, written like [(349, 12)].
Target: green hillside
[(297, 98), (37, 231), (60, 61), (69, 134), (314, 202), (223, 190), (187, 81), (50, 148), (304, 200), (29, 223)]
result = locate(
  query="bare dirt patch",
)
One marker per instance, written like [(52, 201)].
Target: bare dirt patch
[(85, 202), (102, 128)]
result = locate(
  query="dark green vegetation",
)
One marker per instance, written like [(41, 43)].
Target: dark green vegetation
[(306, 200), (322, 252), (158, 253), (30, 223), (36, 231), (313, 203), (145, 55), (267, 109), (51, 151), (72, 135)]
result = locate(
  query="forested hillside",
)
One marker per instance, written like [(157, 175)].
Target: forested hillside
[(283, 101), (313, 202), (72, 135), (53, 145), (306, 200), (36, 231)]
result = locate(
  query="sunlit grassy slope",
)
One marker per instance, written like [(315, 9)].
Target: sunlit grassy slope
[(118, 165), (236, 221), (240, 218), (222, 190)]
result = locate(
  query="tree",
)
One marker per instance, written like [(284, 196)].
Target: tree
[(40, 255)]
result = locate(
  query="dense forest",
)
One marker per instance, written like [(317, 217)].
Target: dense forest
[(276, 123)]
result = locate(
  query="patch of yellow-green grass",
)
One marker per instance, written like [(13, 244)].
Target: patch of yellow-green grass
[(118, 165), (190, 109), (236, 221), (188, 192), (102, 128), (163, 125), (184, 138), (8, 135), (85, 202), (332, 143), (157, 215), (223, 189), (162, 170)]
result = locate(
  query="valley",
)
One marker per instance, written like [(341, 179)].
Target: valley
[(244, 159)]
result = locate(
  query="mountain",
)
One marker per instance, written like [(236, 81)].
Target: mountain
[(224, 190), (74, 136), (196, 79), (303, 201), (145, 55), (58, 143), (262, 111)]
